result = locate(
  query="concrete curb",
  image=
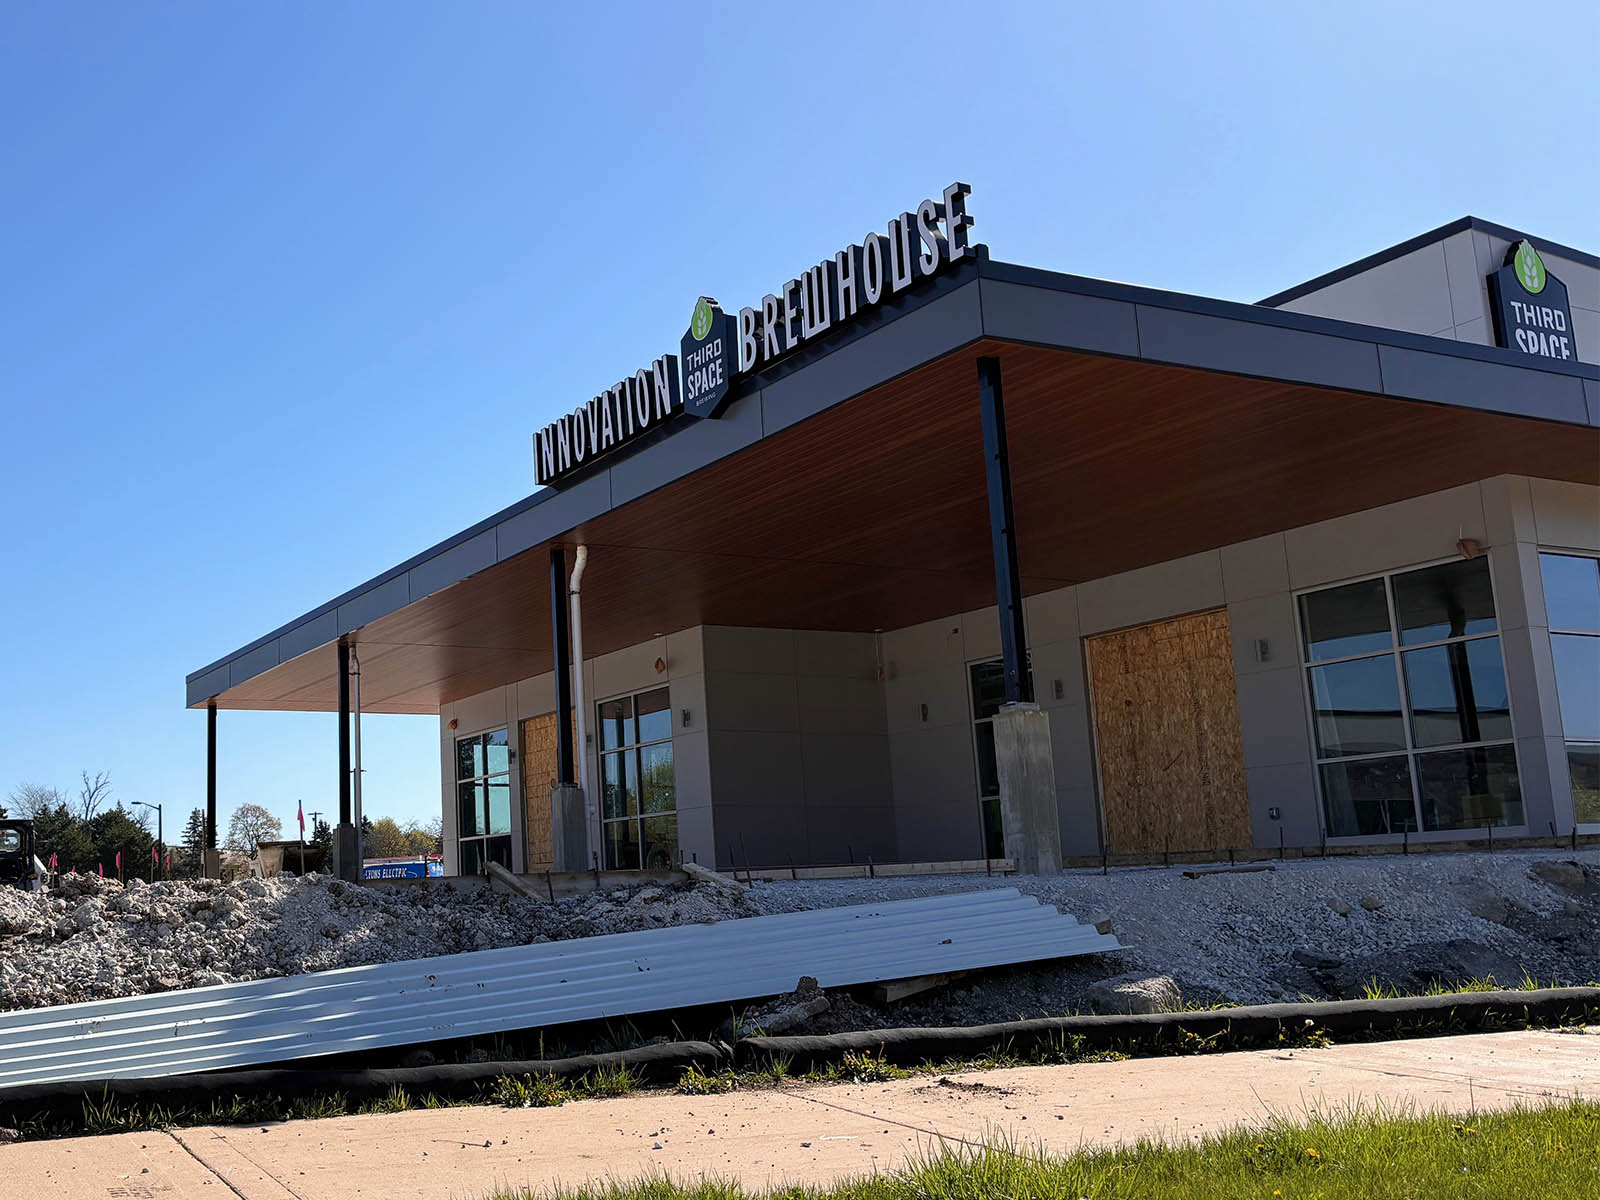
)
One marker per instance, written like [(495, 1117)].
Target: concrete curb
[(1250, 1023)]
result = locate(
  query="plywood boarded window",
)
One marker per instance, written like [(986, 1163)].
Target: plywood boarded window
[(538, 774), (1166, 718)]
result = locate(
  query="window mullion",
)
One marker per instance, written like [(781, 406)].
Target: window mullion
[(1405, 703)]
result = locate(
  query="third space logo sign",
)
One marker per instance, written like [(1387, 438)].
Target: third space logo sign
[(1531, 313), (707, 355)]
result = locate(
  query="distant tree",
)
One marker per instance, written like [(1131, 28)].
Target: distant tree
[(28, 800), (251, 825), (420, 840), (56, 831), (191, 861), (92, 794), (117, 831), (384, 839), (321, 834)]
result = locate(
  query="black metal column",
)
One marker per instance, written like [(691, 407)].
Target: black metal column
[(565, 771), (211, 777), (344, 733), (1002, 531)]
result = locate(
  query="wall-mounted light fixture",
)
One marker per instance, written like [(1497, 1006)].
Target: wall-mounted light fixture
[(1468, 547), (1058, 688), (686, 718), (923, 710), (1263, 650), (453, 722), (661, 665)]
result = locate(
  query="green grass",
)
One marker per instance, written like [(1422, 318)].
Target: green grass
[(1376, 989), (1534, 1152)]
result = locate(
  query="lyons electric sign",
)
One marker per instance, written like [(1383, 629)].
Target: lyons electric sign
[(718, 348)]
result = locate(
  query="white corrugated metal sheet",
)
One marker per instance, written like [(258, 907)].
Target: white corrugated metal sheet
[(462, 995)]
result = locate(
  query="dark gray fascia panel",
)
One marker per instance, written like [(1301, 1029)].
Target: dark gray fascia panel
[(1445, 379), (581, 502), (373, 603), (308, 636), (1241, 348), (256, 662), (203, 685), (905, 343), (453, 565), (1591, 397), (1047, 317), (701, 443)]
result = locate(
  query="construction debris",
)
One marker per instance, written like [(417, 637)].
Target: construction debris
[(92, 938)]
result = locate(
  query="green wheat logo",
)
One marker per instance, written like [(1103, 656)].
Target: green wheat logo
[(1530, 270), (701, 324)]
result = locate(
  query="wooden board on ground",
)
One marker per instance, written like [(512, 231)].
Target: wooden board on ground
[(1166, 718)]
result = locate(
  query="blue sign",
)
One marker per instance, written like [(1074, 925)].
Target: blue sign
[(402, 870)]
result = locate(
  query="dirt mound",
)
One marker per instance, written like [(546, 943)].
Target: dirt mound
[(91, 938)]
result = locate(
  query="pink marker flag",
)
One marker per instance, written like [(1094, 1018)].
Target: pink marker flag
[(102, 869), (300, 810), (119, 860)]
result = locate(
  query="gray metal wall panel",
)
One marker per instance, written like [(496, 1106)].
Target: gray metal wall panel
[(374, 603), (454, 565), (1222, 344), (1051, 318), (904, 343), (1445, 379), (577, 504), (308, 635), (212, 683), (247, 666), (689, 449)]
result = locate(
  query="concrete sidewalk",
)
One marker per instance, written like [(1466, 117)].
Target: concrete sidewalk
[(812, 1133)]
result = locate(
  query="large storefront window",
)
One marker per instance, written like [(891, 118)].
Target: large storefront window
[(483, 801), (1410, 713), (639, 798), (1572, 605)]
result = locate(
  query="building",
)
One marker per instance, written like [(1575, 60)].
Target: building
[(1322, 569)]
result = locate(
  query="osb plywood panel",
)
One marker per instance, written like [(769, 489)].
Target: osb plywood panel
[(1167, 724), (538, 773)]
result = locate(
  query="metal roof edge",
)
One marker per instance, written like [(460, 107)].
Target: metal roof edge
[(1257, 314), (982, 268), (1413, 244)]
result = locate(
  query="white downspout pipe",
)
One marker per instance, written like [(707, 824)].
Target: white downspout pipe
[(579, 706)]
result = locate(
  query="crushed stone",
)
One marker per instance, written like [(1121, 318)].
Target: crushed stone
[(1316, 928), (92, 938)]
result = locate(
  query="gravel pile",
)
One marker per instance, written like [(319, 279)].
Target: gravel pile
[(1321, 929), (1316, 928), (92, 938)]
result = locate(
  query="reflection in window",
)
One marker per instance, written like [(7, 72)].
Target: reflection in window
[(1344, 621), (1572, 607), (1457, 693), (483, 801), (638, 790), (1468, 789), (1451, 600), (1382, 764), (1357, 705)]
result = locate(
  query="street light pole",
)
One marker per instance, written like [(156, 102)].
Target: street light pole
[(161, 841)]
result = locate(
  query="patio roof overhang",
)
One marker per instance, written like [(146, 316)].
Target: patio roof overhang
[(845, 490)]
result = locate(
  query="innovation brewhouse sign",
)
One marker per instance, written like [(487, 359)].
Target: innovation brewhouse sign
[(1530, 306), (718, 348)]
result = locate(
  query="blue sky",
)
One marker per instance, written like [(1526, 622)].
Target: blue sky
[(289, 286)]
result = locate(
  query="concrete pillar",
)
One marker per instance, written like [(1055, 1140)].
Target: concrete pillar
[(1028, 788), (569, 832)]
